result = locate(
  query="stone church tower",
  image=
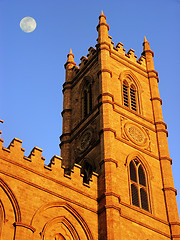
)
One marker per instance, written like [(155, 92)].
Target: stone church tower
[(114, 180)]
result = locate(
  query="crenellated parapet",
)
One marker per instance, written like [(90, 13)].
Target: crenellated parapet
[(130, 56), (34, 163)]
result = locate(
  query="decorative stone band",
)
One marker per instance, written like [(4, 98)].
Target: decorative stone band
[(143, 53), (170, 189), (166, 158), (104, 70), (157, 98), (20, 224), (63, 142), (107, 130), (153, 74), (106, 94), (153, 71), (109, 194), (102, 15), (65, 136), (67, 86), (101, 210), (101, 24), (66, 110), (176, 236), (175, 223), (103, 46), (162, 130), (69, 62), (163, 123), (108, 160)]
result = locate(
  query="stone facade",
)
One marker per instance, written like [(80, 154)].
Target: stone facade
[(114, 180)]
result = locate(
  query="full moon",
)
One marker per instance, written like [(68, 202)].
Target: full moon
[(28, 24)]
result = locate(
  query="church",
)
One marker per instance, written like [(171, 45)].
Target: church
[(113, 180)]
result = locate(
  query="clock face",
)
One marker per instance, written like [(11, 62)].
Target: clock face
[(85, 140)]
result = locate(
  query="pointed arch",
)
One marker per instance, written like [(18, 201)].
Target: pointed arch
[(12, 199), (86, 95), (128, 74), (67, 224), (143, 161), (139, 180), (131, 91), (71, 210), (2, 217)]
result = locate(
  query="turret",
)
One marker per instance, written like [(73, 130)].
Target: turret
[(165, 161), (102, 29), (66, 113)]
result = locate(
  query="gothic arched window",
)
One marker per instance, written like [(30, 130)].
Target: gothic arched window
[(138, 182), (87, 99), (130, 96)]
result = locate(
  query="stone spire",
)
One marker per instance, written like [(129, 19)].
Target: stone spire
[(149, 54), (70, 60), (146, 47), (102, 28)]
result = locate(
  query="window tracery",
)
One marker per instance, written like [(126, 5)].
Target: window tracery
[(130, 95), (138, 183)]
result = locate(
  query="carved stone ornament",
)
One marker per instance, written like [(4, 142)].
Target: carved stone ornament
[(136, 134), (85, 140)]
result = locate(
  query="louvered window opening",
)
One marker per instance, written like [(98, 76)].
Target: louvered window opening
[(139, 191), (129, 96), (133, 99), (133, 172), (87, 100), (135, 198), (125, 95)]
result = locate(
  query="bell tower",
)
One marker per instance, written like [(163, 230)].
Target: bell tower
[(113, 125)]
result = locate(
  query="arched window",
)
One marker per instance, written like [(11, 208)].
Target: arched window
[(138, 182), (87, 99), (130, 96)]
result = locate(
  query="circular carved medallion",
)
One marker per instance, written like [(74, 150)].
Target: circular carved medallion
[(85, 140), (136, 134)]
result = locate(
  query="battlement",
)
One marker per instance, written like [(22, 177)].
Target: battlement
[(118, 51), (130, 55), (34, 163)]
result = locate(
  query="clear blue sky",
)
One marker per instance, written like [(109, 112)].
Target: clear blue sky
[(32, 64)]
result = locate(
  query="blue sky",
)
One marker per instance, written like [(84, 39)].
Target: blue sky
[(32, 64)]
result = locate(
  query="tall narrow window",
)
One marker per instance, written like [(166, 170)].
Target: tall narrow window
[(125, 94), (139, 190), (85, 103), (87, 100), (134, 194), (133, 98), (130, 96)]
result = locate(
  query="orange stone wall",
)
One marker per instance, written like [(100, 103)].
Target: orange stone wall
[(39, 201)]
